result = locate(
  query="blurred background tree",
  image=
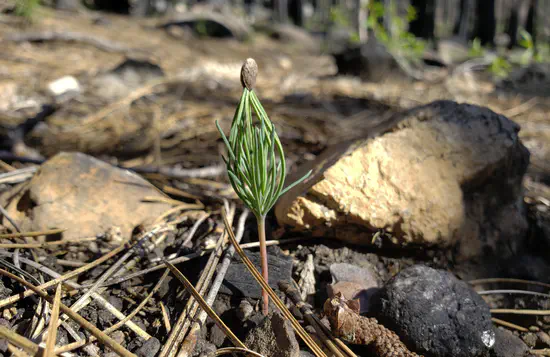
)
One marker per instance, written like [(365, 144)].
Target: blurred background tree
[(495, 23)]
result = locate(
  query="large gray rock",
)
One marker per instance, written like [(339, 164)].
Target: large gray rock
[(435, 314), (85, 196), (445, 174)]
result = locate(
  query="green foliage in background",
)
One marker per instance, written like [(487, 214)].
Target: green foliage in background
[(396, 38), (500, 67), (476, 50), (502, 64), (532, 53), (26, 8), (339, 17)]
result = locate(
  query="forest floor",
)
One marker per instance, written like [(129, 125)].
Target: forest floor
[(171, 88)]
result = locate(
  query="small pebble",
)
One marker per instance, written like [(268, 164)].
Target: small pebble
[(354, 282), (544, 337), (6, 314), (149, 348), (245, 310), (63, 85), (119, 337), (352, 273), (508, 345), (530, 339)]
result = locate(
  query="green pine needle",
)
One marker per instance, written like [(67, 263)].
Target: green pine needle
[(255, 173)]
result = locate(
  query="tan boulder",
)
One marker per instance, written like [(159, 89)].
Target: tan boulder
[(444, 174), (83, 195)]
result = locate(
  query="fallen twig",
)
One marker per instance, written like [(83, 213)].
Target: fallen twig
[(18, 176), (520, 312), (19, 341), (177, 192), (15, 352), (179, 173), (100, 300), (507, 280), (77, 344), (509, 324), (246, 351), (52, 329), (112, 344), (520, 109), (72, 274), (12, 222), (125, 277), (189, 287), (31, 234), (189, 344), (272, 242), (512, 291), (179, 329), (44, 244), (193, 230), (165, 317), (324, 334)]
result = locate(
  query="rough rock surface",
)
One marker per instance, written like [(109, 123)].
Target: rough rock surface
[(274, 337), (239, 282), (435, 314), (509, 345), (364, 276), (85, 196), (445, 174), (149, 348)]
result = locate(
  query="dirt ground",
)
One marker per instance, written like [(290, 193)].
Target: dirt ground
[(173, 87)]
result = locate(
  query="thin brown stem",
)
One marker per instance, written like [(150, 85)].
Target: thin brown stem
[(263, 257)]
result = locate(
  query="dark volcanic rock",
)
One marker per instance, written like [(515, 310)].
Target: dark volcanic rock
[(370, 62), (436, 314), (239, 282)]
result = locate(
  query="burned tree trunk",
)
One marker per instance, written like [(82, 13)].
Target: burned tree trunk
[(485, 22), (296, 12), (280, 9), (531, 22), (424, 24), (462, 24), (522, 15)]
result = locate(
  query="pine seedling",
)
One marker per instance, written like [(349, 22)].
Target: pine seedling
[(256, 160)]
